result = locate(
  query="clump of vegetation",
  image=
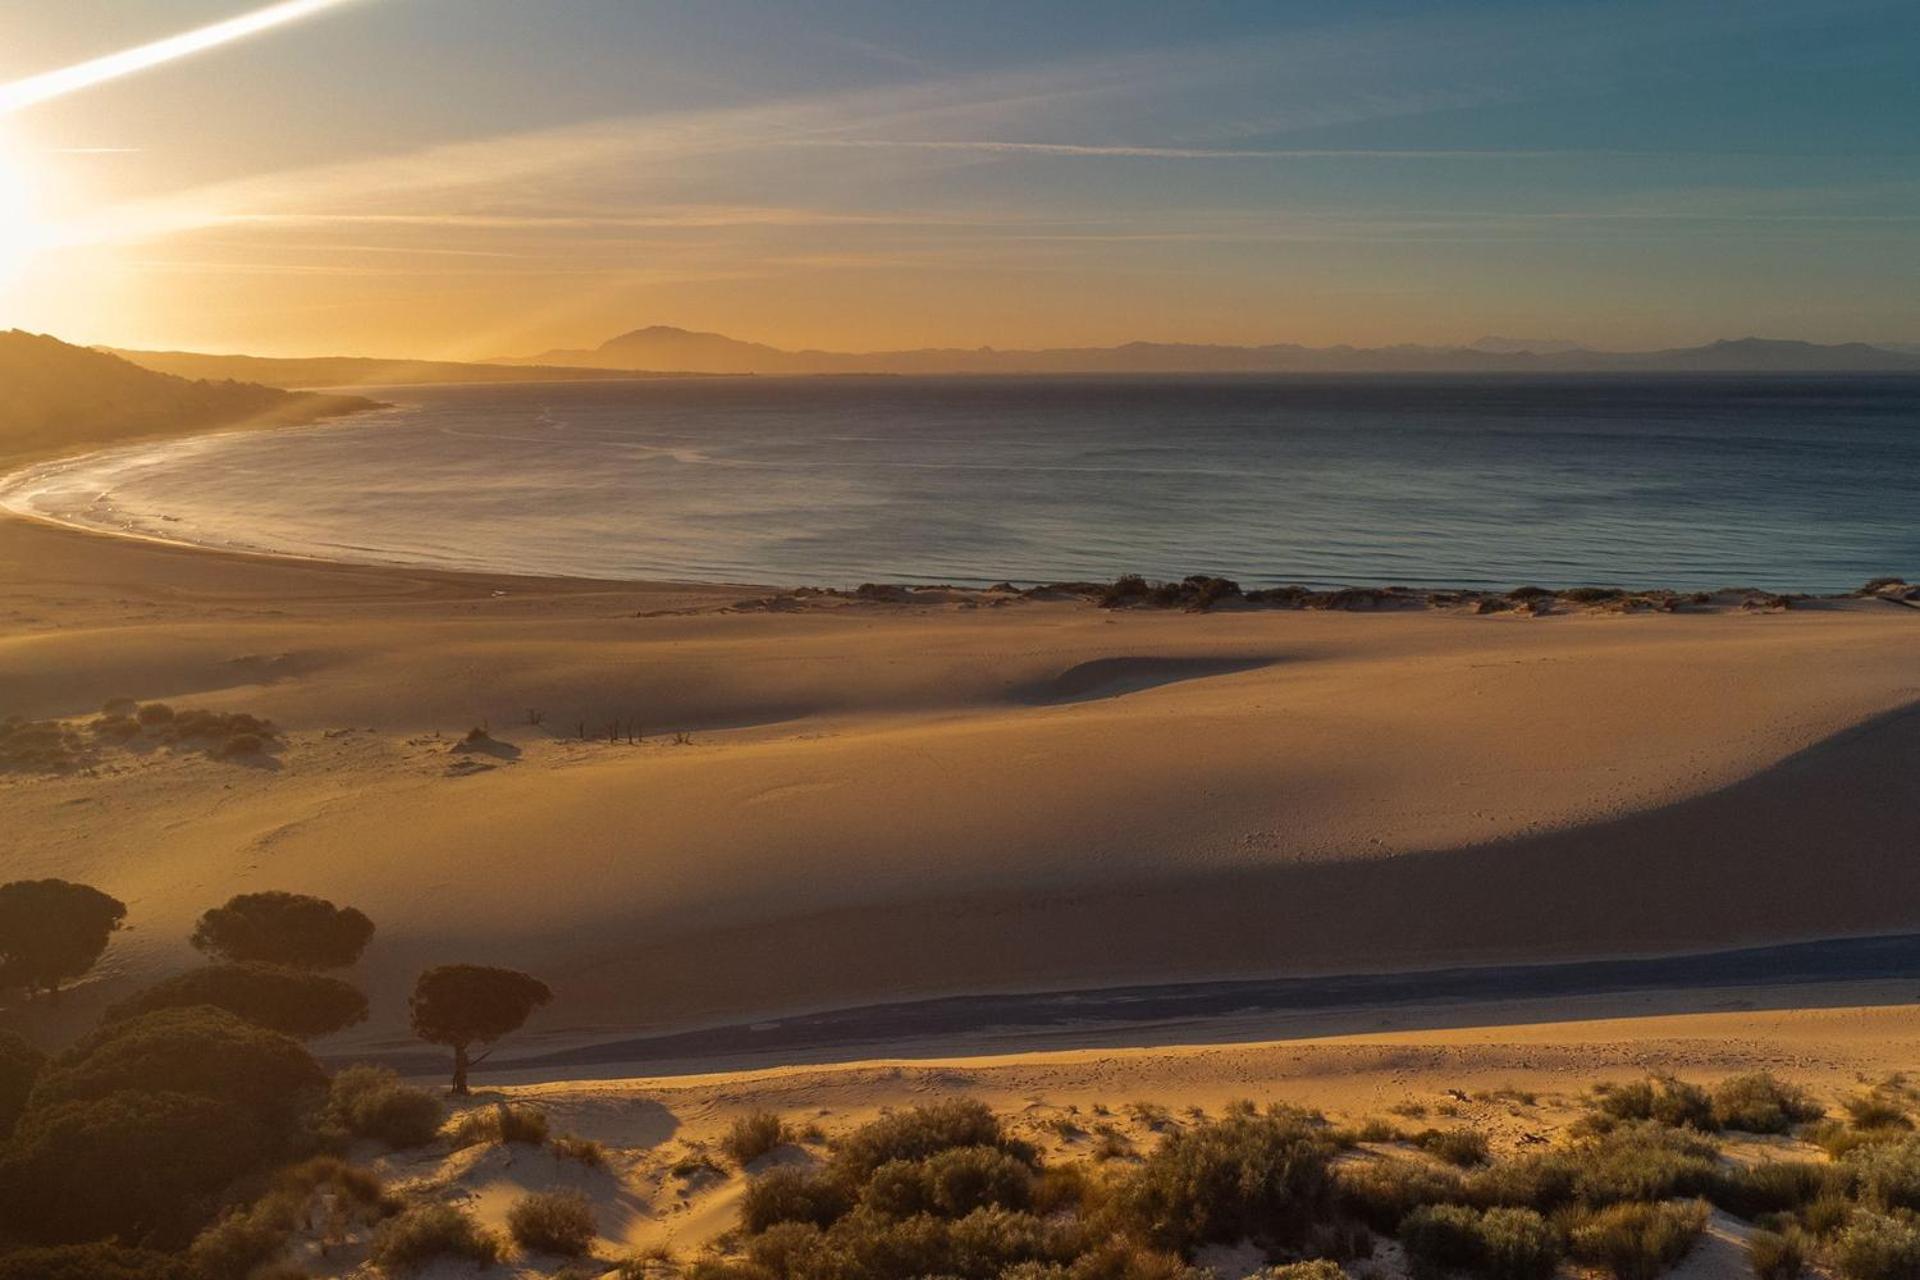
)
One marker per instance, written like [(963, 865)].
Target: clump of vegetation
[(138, 1166), (370, 1102), (1463, 1147), (794, 1195), (1317, 1269), (1758, 1103), (499, 1123), (1876, 1111), (1661, 1099), (753, 1135), (92, 1262), (1879, 1246), (1198, 592), (1778, 1186), (1382, 1193), (1263, 1175), (1779, 1255), (414, 1239), (291, 1001), (280, 928), (1887, 1174), (921, 1133), (1501, 1244), (223, 734), (951, 1184), (199, 1052), (1637, 1241), (324, 1194), (53, 931), (556, 1222), (42, 746)]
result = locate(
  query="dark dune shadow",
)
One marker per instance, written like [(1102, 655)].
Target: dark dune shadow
[(1819, 846), (1113, 677)]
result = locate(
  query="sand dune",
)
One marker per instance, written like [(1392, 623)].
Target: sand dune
[(878, 801)]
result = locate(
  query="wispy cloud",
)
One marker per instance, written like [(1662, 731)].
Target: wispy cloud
[(1125, 151)]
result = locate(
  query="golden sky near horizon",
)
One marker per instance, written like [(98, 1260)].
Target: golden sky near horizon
[(467, 178)]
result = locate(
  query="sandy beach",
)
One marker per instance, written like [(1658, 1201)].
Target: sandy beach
[(785, 803)]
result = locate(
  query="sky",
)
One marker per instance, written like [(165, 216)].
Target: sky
[(469, 178)]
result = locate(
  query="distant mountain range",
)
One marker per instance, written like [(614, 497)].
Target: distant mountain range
[(662, 348), (55, 396), (354, 371)]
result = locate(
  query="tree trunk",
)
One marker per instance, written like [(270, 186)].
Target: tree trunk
[(460, 1069)]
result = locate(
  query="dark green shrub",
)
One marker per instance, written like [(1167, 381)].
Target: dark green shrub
[(290, 1001), (1878, 1246), (1642, 1161), (91, 1262), (1502, 1244), (1777, 1186), (793, 1195), (1637, 1241), (1876, 1111), (1441, 1238), (1887, 1174), (203, 1052), (1262, 1175), (1543, 1181), (1758, 1103), (920, 1133), (420, 1236), (753, 1135), (1383, 1192), (140, 1166), (282, 928), (557, 1222), (1778, 1255), (1517, 1244), (20, 1066), (1661, 1099), (789, 1249), (951, 1184), (1461, 1147), (370, 1102), (239, 1245)]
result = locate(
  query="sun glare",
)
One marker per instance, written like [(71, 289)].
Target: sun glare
[(22, 233)]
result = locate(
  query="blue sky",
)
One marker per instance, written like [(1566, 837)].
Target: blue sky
[(470, 177)]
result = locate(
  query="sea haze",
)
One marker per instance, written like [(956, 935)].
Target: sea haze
[(1694, 482)]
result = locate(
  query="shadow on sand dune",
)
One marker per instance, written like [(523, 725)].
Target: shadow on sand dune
[(1112, 677), (1821, 845)]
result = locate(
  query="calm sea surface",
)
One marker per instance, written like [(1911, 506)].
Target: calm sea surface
[(1804, 484)]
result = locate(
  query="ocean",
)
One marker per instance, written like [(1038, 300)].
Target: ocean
[(1691, 482)]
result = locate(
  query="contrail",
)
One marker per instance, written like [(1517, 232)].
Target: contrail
[(82, 75)]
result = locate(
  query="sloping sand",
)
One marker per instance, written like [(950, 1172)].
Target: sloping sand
[(882, 800)]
